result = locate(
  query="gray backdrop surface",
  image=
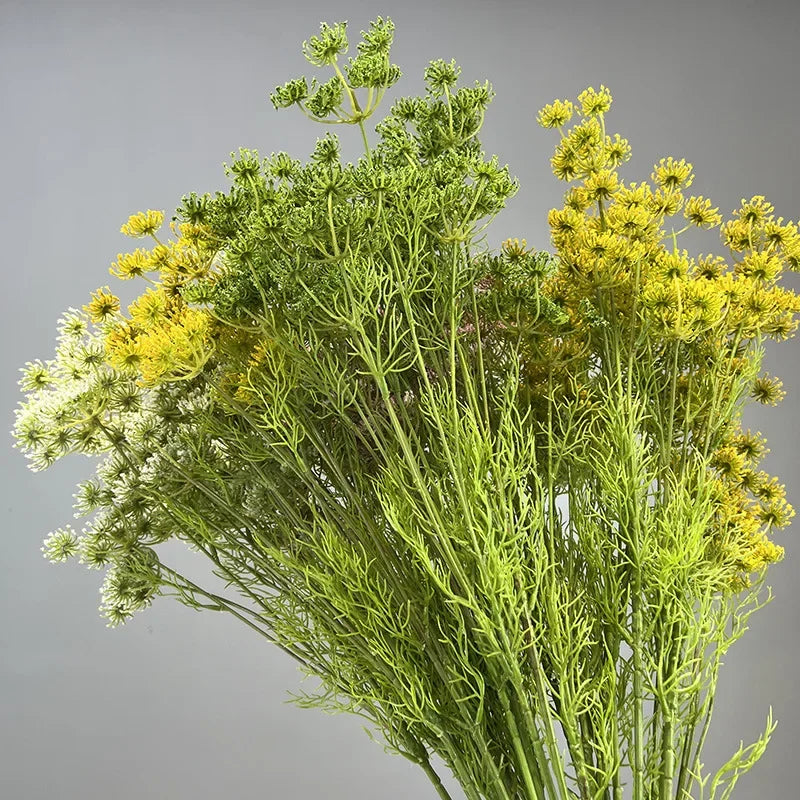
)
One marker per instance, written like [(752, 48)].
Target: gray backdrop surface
[(109, 108)]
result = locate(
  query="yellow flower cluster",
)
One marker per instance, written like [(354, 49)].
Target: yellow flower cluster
[(618, 266), (188, 258), (163, 338), (610, 236)]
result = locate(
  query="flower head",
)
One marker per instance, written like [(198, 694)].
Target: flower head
[(699, 212), (131, 265), (324, 49), (61, 545), (672, 175), (768, 390), (103, 305), (143, 223), (594, 102), (556, 114)]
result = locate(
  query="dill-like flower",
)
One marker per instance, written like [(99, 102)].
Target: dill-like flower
[(144, 223), (755, 211), (660, 297), (594, 102), (776, 514), (729, 462), (617, 150), (601, 185), (673, 265), (324, 49), (664, 203), (698, 211), (514, 249), (672, 175), (36, 375), (564, 164), (751, 445), (769, 488), (768, 390), (776, 234), (96, 550), (565, 222), (736, 235), (710, 266), (760, 266), (150, 308), (577, 198), (131, 265), (103, 305), (73, 324), (556, 114), (61, 544), (584, 136)]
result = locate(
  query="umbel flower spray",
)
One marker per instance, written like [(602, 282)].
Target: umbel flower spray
[(501, 504)]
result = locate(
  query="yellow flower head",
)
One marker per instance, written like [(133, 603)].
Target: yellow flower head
[(769, 488), (564, 163), (577, 198), (565, 221), (617, 150), (729, 462), (776, 514), (634, 195), (791, 253), (778, 235), (630, 221), (160, 257), (143, 223), (126, 356), (704, 302), (594, 103), (755, 211), (103, 305), (699, 212), (736, 235), (556, 114), (150, 308), (768, 390), (672, 175), (602, 185), (760, 552), (665, 203), (710, 266), (758, 306), (673, 265), (586, 135), (177, 348), (764, 267), (659, 297), (752, 446), (131, 265)]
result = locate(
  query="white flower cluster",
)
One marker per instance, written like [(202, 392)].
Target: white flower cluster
[(77, 403)]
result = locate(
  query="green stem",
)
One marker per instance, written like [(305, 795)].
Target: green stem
[(366, 142)]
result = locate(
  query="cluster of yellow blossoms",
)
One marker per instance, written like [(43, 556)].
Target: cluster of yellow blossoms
[(614, 266), (162, 338)]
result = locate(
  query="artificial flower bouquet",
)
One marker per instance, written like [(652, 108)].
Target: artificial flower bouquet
[(500, 503)]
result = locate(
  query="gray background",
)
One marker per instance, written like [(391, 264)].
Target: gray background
[(109, 108)]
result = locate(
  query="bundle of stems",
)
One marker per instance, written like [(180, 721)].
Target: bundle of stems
[(500, 504)]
